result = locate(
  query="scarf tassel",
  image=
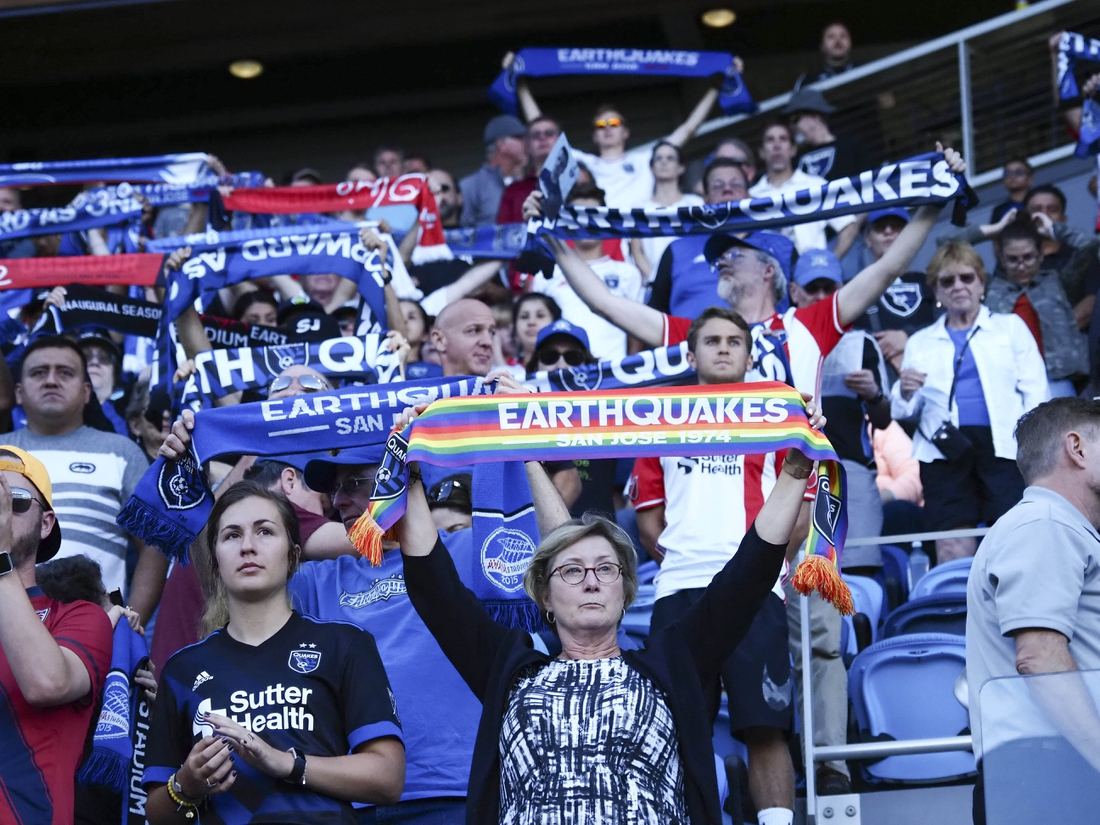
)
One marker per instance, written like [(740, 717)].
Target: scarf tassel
[(105, 769), (818, 573), (367, 537), (140, 519), (517, 613)]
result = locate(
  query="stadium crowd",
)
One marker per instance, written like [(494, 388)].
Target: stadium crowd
[(401, 700)]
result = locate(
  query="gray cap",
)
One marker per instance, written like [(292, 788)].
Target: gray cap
[(808, 100), (503, 126)]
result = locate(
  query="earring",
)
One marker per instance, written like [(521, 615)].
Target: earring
[(550, 617)]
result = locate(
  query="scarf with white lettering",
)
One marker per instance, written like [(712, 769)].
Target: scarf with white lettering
[(733, 98), (1075, 49), (172, 501), (88, 210), (181, 169), (356, 195), (92, 306), (663, 366), (502, 241), (113, 742), (732, 419), (226, 333), (219, 372), (917, 181)]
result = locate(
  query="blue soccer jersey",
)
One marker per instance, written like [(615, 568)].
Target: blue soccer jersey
[(319, 686)]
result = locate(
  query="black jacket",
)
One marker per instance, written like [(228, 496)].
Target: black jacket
[(676, 659)]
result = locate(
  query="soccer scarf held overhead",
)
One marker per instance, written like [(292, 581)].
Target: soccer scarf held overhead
[(88, 210), (733, 98), (1075, 48), (733, 419), (138, 269), (356, 195), (183, 169)]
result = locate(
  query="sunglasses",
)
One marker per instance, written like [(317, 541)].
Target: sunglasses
[(155, 417), (606, 122), (21, 500), (445, 187), (549, 133), (442, 494), (351, 485), (309, 383), (573, 357), (948, 281)]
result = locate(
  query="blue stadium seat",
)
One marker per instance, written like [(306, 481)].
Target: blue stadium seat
[(932, 614), (894, 577), (902, 688), (868, 598), (949, 577)]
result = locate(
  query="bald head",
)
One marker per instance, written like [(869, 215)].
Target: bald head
[(463, 337)]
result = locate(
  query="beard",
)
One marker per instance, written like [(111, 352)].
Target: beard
[(24, 547)]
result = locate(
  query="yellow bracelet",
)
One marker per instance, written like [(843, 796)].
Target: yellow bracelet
[(179, 800)]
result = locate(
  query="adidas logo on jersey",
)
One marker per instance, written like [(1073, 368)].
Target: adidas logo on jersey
[(200, 679)]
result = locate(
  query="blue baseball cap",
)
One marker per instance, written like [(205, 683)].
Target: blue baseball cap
[(891, 212), (815, 265), (298, 461), (563, 327), (774, 244), (321, 472)]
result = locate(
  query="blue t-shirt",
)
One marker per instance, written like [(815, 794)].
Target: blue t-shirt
[(968, 388), (439, 713)]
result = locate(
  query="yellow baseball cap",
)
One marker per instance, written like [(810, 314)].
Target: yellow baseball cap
[(35, 471)]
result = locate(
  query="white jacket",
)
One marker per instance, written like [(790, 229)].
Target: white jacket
[(1012, 372)]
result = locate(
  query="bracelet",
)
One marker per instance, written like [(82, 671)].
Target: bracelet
[(180, 800), (796, 471), (298, 772)]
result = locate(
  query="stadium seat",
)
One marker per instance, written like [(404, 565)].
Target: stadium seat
[(894, 577), (932, 614), (902, 688), (949, 577), (868, 598)]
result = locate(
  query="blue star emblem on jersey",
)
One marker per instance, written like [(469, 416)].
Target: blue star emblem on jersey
[(902, 299), (304, 661), (505, 556), (612, 281)]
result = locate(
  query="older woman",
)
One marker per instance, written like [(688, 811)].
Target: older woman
[(966, 379), (596, 734), (274, 717)]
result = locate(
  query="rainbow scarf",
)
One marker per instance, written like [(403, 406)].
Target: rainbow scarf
[(730, 419)]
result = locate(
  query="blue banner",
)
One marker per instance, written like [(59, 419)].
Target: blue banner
[(498, 242), (181, 169), (733, 98), (167, 194), (89, 210), (1073, 49)]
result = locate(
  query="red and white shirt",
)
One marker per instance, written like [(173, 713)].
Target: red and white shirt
[(709, 504), (790, 347)]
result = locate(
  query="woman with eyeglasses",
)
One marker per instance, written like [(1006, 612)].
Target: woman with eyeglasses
[(965, 380), (596, 734), (274, 716)]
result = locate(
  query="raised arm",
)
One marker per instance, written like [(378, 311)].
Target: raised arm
[(869, 285), (526, 100), (686, 130)]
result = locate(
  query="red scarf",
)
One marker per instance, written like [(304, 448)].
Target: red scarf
[(358, 195), (140, 269)]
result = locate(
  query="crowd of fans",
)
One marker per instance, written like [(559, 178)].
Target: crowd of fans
[(921, 376)]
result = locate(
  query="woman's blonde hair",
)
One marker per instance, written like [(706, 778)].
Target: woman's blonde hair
[(954, 252), (216, 615), (536, 581)]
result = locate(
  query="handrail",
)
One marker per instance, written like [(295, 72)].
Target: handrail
[(909, 538), (900, 747)]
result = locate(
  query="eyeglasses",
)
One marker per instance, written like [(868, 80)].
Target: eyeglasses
[(575, 574), (1023, 260), (309, 383), (572, 357), (351, 485), (606, 122), (93, 358), (21, 500), (1016, 173), (155, 417), (728, 257), (948, 281), (549, 133)]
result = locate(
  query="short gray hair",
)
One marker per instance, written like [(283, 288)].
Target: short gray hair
[(536, 581), (1040, 432), (779, 281)]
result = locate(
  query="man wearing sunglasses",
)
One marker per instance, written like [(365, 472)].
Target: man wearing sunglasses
[(297, 380), (54, 656)]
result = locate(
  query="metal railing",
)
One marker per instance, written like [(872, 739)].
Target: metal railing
[(987, 89), (811, 753)]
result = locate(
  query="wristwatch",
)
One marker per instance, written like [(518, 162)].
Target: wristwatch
[(6, 564), (298, 772)]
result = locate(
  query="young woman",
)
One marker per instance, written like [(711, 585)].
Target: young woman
[(274, 717), (530, 314)]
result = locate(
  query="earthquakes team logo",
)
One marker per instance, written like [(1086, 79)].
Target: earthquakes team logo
[(304, 661), (902, 299), (505, 556), (381, 590), (179, 485), (826, 510), (279, 358)]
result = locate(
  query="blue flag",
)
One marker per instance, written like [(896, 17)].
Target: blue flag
[(182, 169)]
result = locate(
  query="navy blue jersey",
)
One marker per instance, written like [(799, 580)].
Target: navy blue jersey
[(319, 686)]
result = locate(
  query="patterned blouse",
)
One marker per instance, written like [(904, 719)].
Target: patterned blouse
[(586, 742)]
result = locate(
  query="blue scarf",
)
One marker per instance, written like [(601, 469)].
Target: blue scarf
[(664, 366), (172, 502), (502, 241), (220, 372), (88, 210), (733, 98), (115, 733), (182, 169), (920, 180), (1075, 48), (167, 194), (505, 535)]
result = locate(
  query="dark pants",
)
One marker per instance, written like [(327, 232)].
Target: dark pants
[(979, 487), (444, 810)]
